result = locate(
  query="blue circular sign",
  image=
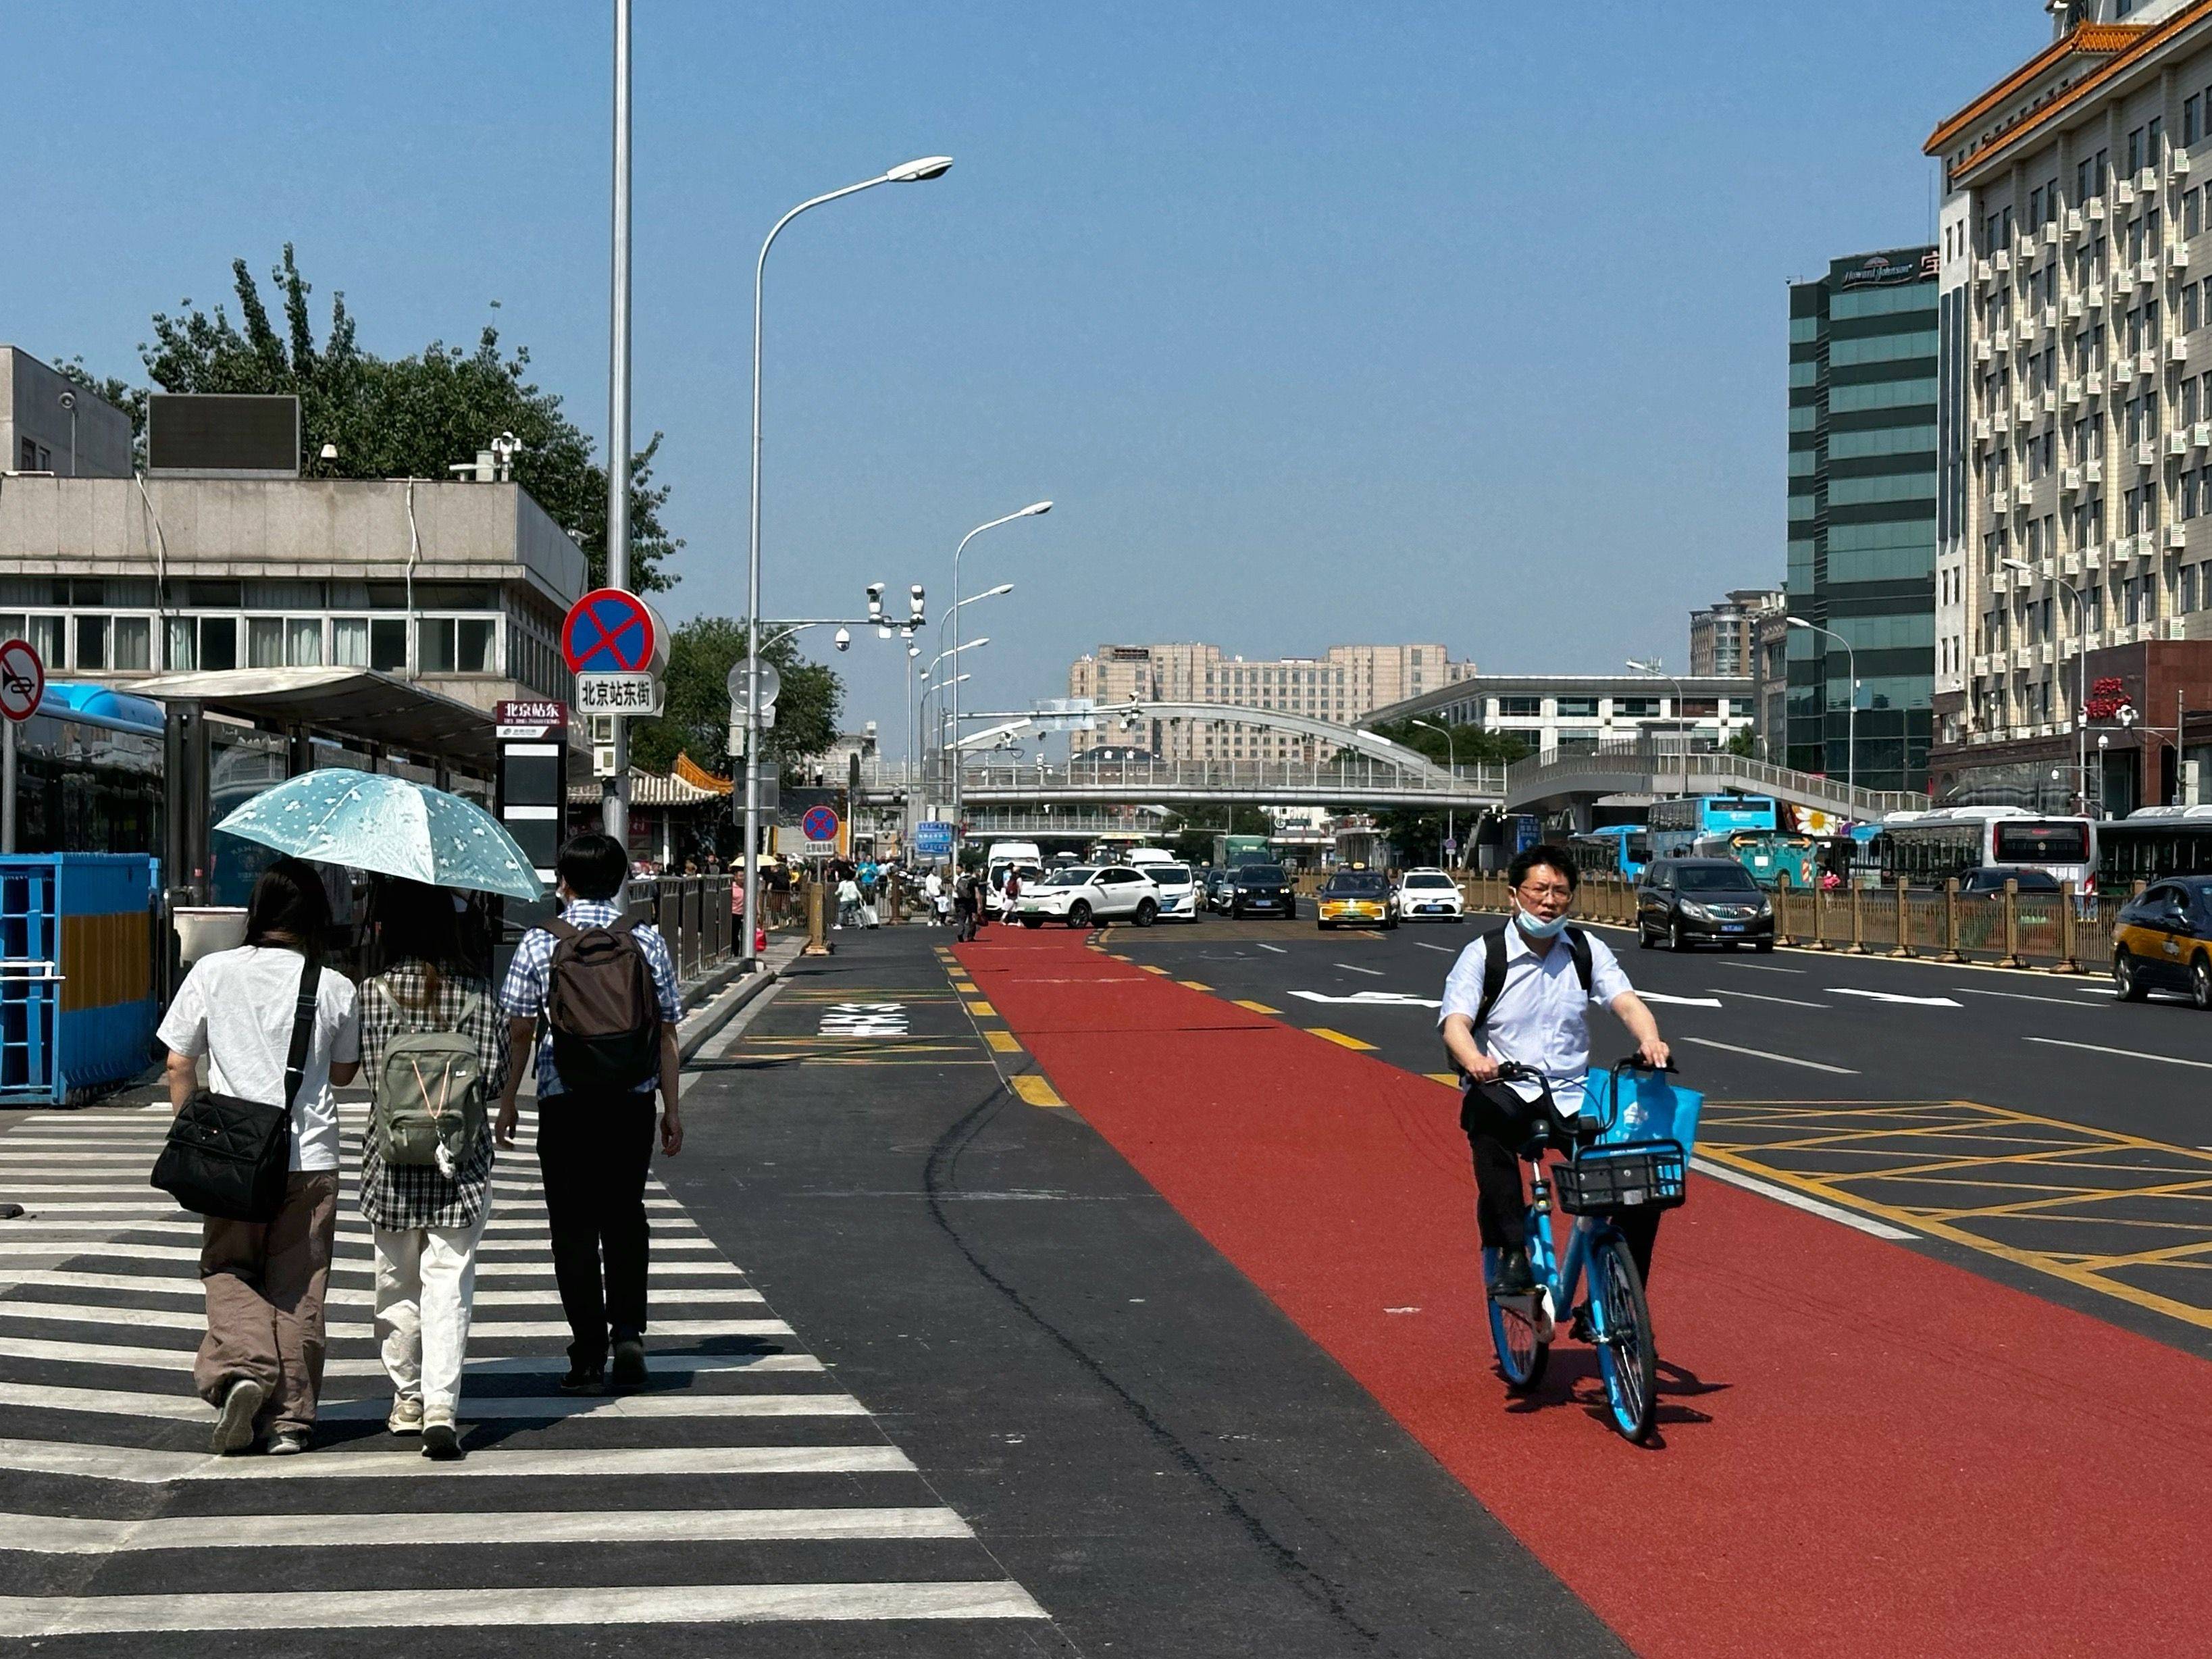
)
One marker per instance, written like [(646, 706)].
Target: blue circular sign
[(608, 631), (820, 824)]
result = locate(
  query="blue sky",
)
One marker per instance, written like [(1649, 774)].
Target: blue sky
[(1321, 324)]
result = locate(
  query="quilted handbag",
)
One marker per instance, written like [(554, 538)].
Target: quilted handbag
[(229, 1157)]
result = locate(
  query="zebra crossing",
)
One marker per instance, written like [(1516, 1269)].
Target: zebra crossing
[(742, 1494)]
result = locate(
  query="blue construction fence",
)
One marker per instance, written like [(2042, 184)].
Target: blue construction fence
[(77, 993)]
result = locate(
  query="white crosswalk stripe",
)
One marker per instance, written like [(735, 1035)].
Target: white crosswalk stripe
[(741, 1443)]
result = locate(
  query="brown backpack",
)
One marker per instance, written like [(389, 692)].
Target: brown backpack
[(601, 1006)]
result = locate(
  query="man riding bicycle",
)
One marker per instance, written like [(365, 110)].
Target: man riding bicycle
[(1529, 1003)]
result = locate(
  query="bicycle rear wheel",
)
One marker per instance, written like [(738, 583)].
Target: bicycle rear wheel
[(1627, 1357), (1522, 1354)]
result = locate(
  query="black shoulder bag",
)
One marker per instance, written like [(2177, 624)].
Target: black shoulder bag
[(229, 1158)]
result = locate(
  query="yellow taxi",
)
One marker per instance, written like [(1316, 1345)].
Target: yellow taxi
[(2163, 941), (1354, 898)]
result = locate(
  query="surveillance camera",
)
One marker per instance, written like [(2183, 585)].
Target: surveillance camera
[(875, 593), (844, 639)]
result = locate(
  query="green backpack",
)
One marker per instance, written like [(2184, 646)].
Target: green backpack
[(430, 1094)]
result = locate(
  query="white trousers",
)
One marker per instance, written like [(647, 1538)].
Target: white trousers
[(426, 1282)]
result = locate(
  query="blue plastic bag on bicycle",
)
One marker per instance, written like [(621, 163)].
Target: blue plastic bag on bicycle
[(1642, 1106)]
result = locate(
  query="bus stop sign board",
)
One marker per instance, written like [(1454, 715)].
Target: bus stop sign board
[(610, 631)]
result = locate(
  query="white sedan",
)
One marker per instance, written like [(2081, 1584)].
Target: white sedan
[(1428, 895), (1084, 894), (1178, 885)]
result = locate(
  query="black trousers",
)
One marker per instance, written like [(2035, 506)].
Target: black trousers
[(593, 1150), (1498, 1124)]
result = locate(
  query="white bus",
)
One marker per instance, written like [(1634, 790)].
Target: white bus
[(1929, 848)]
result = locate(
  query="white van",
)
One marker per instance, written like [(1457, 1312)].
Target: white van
[(1001, 858), (1141, 856)]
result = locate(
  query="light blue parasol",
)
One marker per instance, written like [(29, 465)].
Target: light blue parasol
[(389, 825)]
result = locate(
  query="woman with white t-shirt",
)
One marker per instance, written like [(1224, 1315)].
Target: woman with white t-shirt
[(261, 1364)]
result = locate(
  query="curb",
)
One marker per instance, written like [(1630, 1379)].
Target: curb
[(729, 1002)]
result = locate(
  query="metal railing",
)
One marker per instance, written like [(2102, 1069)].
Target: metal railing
[(692, 912), (1351, 775), (1673, 764)]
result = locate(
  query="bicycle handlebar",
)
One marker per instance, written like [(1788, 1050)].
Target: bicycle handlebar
[(1577, 1128)]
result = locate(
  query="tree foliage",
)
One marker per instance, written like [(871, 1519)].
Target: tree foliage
[(397, 418), (1419, 836), (1190, 835), (697, 717)]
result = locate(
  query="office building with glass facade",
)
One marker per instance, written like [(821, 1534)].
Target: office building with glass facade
[(1863, 471)]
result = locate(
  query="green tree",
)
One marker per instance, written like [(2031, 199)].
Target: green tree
[(1190, 835), (1419, 836), (1743, 744), (696, 720), (397, 418)]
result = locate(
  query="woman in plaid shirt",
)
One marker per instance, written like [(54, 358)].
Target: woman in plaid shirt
[(427, 1223)]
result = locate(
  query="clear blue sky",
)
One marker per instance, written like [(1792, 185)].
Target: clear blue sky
[(1321, 324)]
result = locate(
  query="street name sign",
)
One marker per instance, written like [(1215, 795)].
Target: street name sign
[(529, 721), (932, 838), (636, 695)]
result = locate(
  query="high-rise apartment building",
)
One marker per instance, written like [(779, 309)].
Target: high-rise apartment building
[(1863, 473), (2076, 406), (1721, 635), (1341, 687)]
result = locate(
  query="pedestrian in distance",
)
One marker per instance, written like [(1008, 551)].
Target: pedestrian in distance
[(604, 988), (934, 898), (848, 901), (437, 1052), (275, 1026), (1534, 1012)]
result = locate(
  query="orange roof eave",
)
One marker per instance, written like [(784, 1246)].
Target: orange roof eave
[(2091, 40)]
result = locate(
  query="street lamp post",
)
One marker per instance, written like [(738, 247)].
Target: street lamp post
[(953, 616), (2080, 683), (1852, 715), (941, 687), (1658, 670), (1451, 763), (927, 167)]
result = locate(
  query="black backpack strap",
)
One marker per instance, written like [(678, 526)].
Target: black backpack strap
[(1493, 976), (303, 1031), (1578, 944)]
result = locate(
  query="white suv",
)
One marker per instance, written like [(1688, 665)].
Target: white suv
[(1083, 894), (1428, 894)]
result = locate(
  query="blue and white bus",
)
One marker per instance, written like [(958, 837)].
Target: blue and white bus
[(1678, 825), (1616, 849)]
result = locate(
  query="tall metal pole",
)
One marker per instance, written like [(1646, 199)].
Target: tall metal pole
[(7, 787), (953, 616), (614, 801)]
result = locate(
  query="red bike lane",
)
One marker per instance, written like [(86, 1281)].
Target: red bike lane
[(1864, 1451)]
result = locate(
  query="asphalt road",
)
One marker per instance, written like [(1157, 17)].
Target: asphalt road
[(1851, 1032)]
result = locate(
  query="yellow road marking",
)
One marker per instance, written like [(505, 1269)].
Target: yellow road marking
[(1035, 1089), (1003, 1041), (984, 1009), (1149, 969), (1452, 1077), (1326, 1035), (1256, 1007), (1194, 985)]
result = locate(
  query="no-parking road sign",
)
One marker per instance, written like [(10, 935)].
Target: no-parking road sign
[(820, 824), (22, 680), (612, 631)]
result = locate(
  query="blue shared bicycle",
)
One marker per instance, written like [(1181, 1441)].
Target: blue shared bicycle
[(1595, 1184)]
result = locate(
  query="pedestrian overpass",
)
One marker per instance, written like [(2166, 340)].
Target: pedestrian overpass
[(1571, 783)]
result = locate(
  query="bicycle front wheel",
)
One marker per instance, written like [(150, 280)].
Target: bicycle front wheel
[(1522, 1354), (1627, 1356)]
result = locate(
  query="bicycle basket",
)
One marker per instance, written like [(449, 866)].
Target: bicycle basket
[(1643, 1174)]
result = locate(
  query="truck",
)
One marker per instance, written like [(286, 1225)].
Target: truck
[(1231, 852)]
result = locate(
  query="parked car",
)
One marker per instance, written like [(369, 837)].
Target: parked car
[(2163, 941), (1713, 901), (1261, 889), (1083, 894), (1355, 898), (1428, 894), (1989, 880), (1178, 891), (1221, 889)]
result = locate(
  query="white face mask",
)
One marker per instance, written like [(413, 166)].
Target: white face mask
[(1537, 927)]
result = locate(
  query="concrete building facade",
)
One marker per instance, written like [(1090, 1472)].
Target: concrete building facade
[(1568, 714), (1345, 686), (2076, 398), (1721, 634), (50, 424)]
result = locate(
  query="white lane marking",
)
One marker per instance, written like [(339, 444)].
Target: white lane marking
[(177, 1361), (354, 1240), (171, 1318), (1892, 996), (864, 1019), (1756, 996), (1348, 968), (184, 1407), (50, 1534), (454, 1608), (2019, 996), (406, 1464), (1798, 1200), (701, 1295), (1448, 949), (1679, 1002), (2125, 1053), (346, 1265), (1759, 967), (1762, 1054), (1373, 998), (1279, 950)]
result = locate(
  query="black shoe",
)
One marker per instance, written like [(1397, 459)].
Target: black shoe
[(1514, 1277), (628, 1370), (583, 1379)]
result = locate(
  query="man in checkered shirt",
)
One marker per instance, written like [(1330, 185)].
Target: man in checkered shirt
[(595, 1144)]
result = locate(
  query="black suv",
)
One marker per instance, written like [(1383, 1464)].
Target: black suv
[(1715, 901), (1220, 887), (1261, 889)]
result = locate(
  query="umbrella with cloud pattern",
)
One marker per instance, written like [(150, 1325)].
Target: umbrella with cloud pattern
[(393, 826)]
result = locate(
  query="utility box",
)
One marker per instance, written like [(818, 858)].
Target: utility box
[(77, 1008)]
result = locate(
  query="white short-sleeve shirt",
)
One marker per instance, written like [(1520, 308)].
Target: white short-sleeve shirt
[(236, 1008), (1541, 1017)]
